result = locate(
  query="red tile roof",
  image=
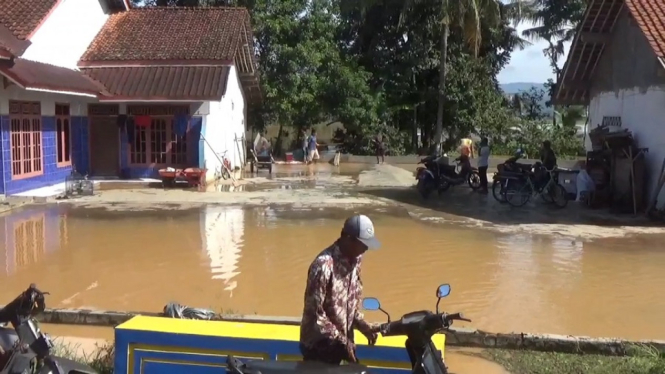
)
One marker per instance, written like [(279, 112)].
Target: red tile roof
[(162, 83), (170, 34), (31, 74), (23, 17), (650, 16)]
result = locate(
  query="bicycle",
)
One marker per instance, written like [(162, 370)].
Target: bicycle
[(225, 172), (518, 194)]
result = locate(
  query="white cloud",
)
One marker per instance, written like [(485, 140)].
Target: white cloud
[(530, 64)]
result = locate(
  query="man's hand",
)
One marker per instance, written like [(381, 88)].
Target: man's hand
[(371, 338), (351, 353), (372, 334)]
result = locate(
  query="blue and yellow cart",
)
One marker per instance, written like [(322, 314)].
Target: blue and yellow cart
[(157, 345)]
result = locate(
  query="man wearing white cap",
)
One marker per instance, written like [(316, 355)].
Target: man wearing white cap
[(333, 296)]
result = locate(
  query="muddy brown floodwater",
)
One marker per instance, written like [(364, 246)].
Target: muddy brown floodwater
[(254, 260)]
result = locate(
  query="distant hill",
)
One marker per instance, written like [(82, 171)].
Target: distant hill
[(517, 87), (513, 88)]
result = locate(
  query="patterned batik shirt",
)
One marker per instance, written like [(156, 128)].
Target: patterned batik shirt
[(332, 299)]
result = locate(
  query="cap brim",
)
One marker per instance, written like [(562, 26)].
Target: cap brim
[(371, 243)]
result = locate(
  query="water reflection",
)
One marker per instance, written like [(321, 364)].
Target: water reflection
[(29, 235), (254, 260), (222, 231)]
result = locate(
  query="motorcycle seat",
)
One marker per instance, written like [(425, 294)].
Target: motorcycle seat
[(291, 367), (510, 174)]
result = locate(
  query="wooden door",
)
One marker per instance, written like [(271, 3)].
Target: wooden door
[(104, 147)]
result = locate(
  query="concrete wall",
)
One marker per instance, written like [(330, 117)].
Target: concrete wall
[(454, 337), (629, 82), (68, 31), (225, 123)]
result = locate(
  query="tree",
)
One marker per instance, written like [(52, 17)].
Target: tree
[(304, 76)]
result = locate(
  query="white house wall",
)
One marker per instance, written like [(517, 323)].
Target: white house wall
[(67, 32), (223, 230), (643, 113), (78, 104), (224, 124)]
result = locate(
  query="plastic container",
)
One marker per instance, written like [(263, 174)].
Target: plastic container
[(289, 156)]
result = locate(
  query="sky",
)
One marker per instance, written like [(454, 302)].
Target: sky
[(530, 64)]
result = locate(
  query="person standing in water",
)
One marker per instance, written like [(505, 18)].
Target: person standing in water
[(312, 148), (483, 163)]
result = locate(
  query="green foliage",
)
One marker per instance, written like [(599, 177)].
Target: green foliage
[(529, 126), (647, 361), (374, 66)]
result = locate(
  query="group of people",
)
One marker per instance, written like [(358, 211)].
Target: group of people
[(547, 158)]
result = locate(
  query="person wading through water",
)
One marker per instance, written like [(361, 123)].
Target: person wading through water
[(333, 297)]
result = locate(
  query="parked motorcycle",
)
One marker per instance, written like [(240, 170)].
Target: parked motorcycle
[(436, 176), (418, 327), (25, 348), (510, 169)]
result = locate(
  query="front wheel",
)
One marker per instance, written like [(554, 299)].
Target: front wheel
[(225, 173), (423, 187), (474, 180), (518, 193), (559, 195), (498, 191)]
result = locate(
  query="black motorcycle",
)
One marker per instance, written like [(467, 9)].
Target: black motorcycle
[(509, 170), (418, 327), (436, 176), (25, 348)]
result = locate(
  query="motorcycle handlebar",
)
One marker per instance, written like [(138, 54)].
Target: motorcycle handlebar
[(30, 302), (430, 322), (457, 317)]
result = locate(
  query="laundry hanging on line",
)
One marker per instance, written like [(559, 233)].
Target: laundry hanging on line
[(181, 124), (142, 121)]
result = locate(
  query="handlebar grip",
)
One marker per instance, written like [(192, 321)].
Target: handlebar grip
[(390, 328), (457, 317)]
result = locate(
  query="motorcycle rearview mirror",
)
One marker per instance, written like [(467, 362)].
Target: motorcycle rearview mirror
[(372, 303), (441, 292)]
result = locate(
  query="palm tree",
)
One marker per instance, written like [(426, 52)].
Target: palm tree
[(468, 16)]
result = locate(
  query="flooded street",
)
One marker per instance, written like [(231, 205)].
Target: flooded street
[(254, 260)]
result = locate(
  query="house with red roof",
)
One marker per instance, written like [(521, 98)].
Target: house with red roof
[(113, 91), (616, 66)]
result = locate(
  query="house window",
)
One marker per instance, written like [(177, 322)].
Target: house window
[(63, 135), (158, 144), (25, 133)]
